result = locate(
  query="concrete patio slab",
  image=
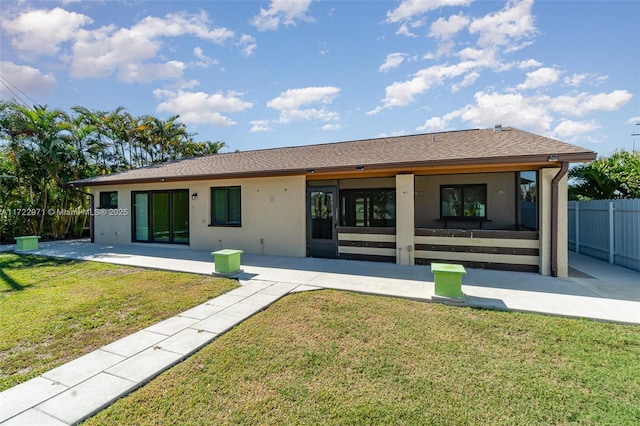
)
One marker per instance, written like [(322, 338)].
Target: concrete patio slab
[(83, 368), (243, 309), (278, 289), (144, 366), (187, 341), (78, 403), (134, 343), (597, 290), (172, 325), (32, 418), (217, 323), (203, 311), (250, 287), (28, 394), (226, 300)]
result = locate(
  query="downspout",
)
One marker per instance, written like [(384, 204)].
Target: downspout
[(554, 217), (91, 210)]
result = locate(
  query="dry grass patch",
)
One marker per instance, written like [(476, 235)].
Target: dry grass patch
[(331, 357), (53, 310)]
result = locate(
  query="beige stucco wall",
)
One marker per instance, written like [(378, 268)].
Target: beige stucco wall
[(405, 227), (273, 216), (501, 195), (563, 224), (546, 177), (113, 226)]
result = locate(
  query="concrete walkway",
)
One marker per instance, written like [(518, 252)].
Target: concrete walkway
[(74, 391)]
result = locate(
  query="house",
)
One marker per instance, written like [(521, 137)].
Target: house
[(488, 198)]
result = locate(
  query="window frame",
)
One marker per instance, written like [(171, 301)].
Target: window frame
[(369, 194), (108, 194), (462, 216), (227, 222)]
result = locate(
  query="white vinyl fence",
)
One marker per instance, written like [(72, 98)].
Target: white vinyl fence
[(606, 229)]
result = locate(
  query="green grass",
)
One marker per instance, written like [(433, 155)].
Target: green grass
[(53, 310), (331, 357)]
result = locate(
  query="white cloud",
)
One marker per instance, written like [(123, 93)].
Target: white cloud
[(577, 79), (28, 79), (292, 103), (633, 120), (529, 63), (285, 12), (328, 127), (130, 73), (200, 107), (568, 129), (204, 61), (584, 103), (505, 27), (404, 30), (468, 80), (409, 9), (393, 61), (403, 93), (500, 32), (260, 126), (107, 50), (532, 112), (512, 108), (434, 124), (40, 32), (248, 44), (444, 29), (392, 134), (540, 78)]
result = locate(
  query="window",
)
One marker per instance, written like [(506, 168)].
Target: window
[(225, 206), (527, 208), (109, 200), (463, 202), (368, 207)]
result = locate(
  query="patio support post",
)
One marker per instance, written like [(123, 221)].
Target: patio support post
[(559, 267), (405, 219)]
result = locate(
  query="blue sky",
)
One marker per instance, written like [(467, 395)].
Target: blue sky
[(261, 74)]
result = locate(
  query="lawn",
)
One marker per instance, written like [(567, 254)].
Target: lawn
[(329, 357), (53, 310)]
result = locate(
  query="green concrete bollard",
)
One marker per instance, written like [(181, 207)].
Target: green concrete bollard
[(227, 261), (27, 243), (448, 279)]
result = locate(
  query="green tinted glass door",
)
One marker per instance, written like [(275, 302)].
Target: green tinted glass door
[(141, 216), (180, 216), (160, 217), (321, 225)]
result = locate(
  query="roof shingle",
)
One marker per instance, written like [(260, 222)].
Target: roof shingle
[(478, 146)]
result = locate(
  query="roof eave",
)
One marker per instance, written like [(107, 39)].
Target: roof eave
[(552, 159)]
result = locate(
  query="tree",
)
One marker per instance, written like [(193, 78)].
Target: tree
[(45, 148), (615, 176)]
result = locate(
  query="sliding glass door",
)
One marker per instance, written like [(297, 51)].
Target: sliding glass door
[(161, 216)]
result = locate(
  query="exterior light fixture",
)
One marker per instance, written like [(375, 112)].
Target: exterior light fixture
[(360, 168), (553, 157), (310, 171), (161, 179), (194, 195)]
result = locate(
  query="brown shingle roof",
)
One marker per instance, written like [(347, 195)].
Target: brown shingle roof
[(466, 147)]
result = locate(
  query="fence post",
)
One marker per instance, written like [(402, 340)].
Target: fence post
[(611, 229), (577, 226)]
